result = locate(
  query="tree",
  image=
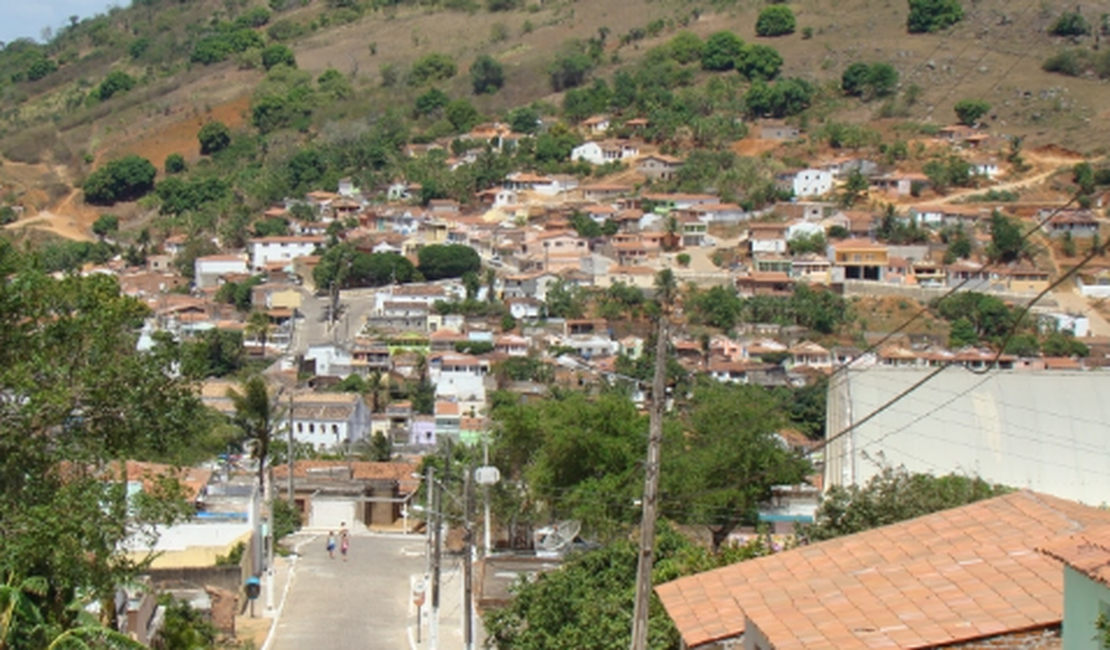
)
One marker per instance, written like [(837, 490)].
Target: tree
[(215, 353), (214, 137), (117, 82), (438, 261), (569, 69), (775, 20), (564, 300), (962, 334), (381, 448), (259, 327), (278, 54), (431, 101), (968, 111), (882, 79), (432, 67), (855, 187), (123, 179), (462, 115), (1007, 241), (105, 225), (721, 51), (1070, 23), (486, 75), (256, 415), (685, 47), (854, 80), (724, 459), (343, 267), (334, 84), (759, 62), (801, 244), (892, 496), (1064, 344), (933, 15), (524, 119), (78, 397), (175, 164)]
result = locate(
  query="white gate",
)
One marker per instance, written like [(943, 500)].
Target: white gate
[(331, 513)]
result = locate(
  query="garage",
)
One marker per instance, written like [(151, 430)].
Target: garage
[(330, 513)]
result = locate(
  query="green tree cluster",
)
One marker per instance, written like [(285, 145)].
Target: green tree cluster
[(487, 76), (79, 397), (225, 41), (214, 137), (175, 164), (277, 54), (970, 111), (781, 99), (1070, 23), (122, 179), (345, 267), (180, 195), (432, 67), (438, 261), (892, 496), (869, 80)]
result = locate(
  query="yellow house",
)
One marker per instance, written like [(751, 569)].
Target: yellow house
[(1026, 279), (859, 259), (288, 298)]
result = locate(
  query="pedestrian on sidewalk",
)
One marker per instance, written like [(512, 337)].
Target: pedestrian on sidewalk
[(331, 544), (344, 540)]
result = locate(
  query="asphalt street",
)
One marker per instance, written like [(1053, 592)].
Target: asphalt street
[(364, 603)]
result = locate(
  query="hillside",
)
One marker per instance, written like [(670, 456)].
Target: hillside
[(52, 136)]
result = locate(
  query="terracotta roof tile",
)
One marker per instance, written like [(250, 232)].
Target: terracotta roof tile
[(949, 577)]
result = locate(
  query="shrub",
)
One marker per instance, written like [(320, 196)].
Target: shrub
[(286, 30), (278, 55), (432, 67), (1070, 23), (868, 81), (775, 20), (933, 15), (214, 136), (569, 69), (115, 83), (175, 164), (105, 224), (759, 62), (486, 75), (431, 101)]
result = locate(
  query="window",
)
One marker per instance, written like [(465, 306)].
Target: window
[(335, 429), (300, 427), (311, 428)]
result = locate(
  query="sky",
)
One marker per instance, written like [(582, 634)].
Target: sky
[(26, 18)]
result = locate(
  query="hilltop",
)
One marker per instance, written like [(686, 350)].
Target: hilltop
[(52, 135)]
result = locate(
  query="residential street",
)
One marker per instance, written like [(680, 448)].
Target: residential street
[(366, 602)]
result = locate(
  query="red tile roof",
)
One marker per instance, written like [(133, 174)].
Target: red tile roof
[(1087, 552), (952, 576)]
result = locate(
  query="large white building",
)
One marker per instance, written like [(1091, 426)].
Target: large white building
[(808, 182), (1042, 430), (208, 270), (268, 250), (330, 421)]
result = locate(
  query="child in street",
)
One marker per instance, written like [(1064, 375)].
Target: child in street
[(331, 544), (344, 540)]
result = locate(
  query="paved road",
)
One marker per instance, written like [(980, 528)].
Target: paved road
[(361, 604)]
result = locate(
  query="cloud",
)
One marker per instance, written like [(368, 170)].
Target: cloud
[(27, 18)]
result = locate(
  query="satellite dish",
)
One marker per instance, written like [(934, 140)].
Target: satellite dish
[(553, 541)]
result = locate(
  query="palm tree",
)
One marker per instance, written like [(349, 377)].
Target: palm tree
[(491, 281), (259, 327), (255, 415), (375, 386)]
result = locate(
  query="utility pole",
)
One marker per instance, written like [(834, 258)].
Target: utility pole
[(289, 450), (651, 487), (486, 535), (468, 567), (433, 632)]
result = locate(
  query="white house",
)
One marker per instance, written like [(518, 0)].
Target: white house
[(208, 270), (807, 182), (599, 153), (268, 250), (330, 420), (803, 229)]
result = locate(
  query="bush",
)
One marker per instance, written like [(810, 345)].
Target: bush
[(869, 81), (759, 62), (278, 55), (1070, 23), (569, 69), (486, 75), (115, 83), (721, 51), (439, 261), (431, 101), (214, 136), (105, 225), (432, 67), (685, 47), (286, 30), (933, 15), (775, 20), (124, 179), (8, 215), (175, 164)]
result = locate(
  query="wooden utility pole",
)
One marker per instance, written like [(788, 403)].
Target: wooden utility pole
[(437, 545), (651, 488)]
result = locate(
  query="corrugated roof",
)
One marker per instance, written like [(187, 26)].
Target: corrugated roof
[(952, 576), (1046, 431)]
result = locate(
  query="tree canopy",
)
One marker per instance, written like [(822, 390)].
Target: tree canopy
[(486, 75), (439, 261), (214, 136), (775, 20), (123, 179), (892, 496), (933, 15), (77, 396), (346, 267)]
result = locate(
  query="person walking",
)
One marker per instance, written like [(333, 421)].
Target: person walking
[(331, 544), (344, 540)]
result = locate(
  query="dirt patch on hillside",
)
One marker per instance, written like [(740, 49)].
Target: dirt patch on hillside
[(753, 147), (181, 136)]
